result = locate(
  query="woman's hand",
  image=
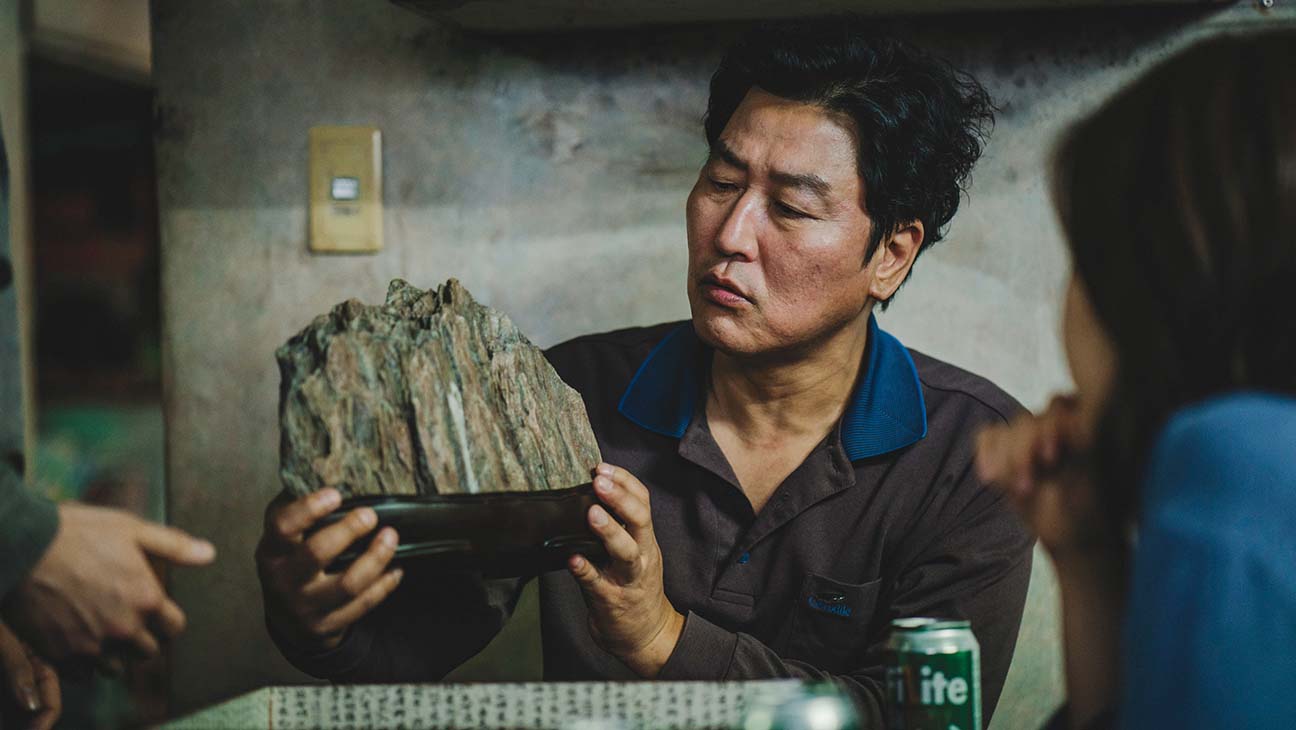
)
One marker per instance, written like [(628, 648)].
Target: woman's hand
[(1039, 462), (31, 685)]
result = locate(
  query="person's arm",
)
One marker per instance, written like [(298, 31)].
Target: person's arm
[(1039, 463), (426, 628), (975, 565), (30, 524), (355, 625), (1092, 588), (978, 568)]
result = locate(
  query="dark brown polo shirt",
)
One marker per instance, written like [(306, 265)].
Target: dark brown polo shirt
[(884, 519)]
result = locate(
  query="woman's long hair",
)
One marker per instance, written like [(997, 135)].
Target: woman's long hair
[(1178, 200)]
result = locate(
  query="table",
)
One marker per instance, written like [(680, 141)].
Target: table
[(521, 706)]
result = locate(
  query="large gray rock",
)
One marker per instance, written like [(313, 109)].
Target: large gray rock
[(428, 393)]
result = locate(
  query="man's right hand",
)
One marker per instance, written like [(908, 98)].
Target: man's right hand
[(94, 589), (312, 609)]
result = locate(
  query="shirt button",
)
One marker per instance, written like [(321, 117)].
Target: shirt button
[(744, 558)]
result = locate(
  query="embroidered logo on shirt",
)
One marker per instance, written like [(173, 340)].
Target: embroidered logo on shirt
[(830, 602)]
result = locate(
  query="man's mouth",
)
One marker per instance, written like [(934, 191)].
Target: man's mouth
[(722, 291)]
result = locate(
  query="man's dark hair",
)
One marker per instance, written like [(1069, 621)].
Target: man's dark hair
[(920, 122)]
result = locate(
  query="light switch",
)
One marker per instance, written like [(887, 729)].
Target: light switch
[(345, 189)]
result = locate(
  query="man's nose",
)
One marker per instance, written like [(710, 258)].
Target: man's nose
[(737, 236)]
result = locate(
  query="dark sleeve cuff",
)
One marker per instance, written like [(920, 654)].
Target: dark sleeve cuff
[(333, 664), (704, 651), (30, 523)]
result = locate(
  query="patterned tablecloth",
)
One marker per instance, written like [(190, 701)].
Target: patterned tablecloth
[(639, 705)]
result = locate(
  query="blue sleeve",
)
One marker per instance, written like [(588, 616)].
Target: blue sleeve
[(1210, 637), (1208, 646)]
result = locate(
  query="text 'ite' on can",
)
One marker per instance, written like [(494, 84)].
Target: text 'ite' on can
[(933, 676)]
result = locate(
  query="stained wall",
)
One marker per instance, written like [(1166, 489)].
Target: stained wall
[(548, 173)]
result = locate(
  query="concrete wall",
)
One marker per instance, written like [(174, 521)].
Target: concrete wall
[(549, 175)]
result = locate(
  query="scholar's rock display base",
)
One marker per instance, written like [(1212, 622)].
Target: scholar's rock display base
[(430, 393)]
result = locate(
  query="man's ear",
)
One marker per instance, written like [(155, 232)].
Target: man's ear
[(893, 259)]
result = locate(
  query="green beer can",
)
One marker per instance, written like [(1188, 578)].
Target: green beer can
[(933, 676)]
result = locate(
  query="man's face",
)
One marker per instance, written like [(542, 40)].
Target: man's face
[(777, 231)]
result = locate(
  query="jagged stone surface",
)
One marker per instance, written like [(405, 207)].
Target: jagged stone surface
[(429, 393)]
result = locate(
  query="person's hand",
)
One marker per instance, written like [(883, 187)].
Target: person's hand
[(1037, 461), (629, 614), (312, 609), (32, 685), (95, 590)]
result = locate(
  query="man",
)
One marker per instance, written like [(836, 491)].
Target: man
[(75, 580), (789, 476)]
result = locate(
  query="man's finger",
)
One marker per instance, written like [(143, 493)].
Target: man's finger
[(287, 521), (625, 479), (51, 695), (587, 575), (364, 603), (332, 541), (368, 568), (18, 671), (627, 505), (621, 547), (174, 544)]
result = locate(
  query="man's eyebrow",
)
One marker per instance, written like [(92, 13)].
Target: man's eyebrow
[(812, 183), (805, 181), (727, 155)]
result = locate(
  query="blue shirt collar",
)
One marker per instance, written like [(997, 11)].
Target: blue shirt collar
[(886, 411)]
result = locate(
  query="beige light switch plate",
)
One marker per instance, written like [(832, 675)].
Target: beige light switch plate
[(346, 189)]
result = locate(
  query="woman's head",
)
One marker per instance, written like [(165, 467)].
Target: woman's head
[(1178, 200)]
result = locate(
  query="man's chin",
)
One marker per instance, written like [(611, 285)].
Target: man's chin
[(720, 332)]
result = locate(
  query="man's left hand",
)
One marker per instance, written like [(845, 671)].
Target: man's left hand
[(629, 615)]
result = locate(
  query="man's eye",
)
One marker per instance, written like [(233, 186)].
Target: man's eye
[(723, 186), (788, 211)]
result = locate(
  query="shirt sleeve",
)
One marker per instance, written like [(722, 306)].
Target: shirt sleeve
[(430, 625), (976, 567), (30, 523)]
